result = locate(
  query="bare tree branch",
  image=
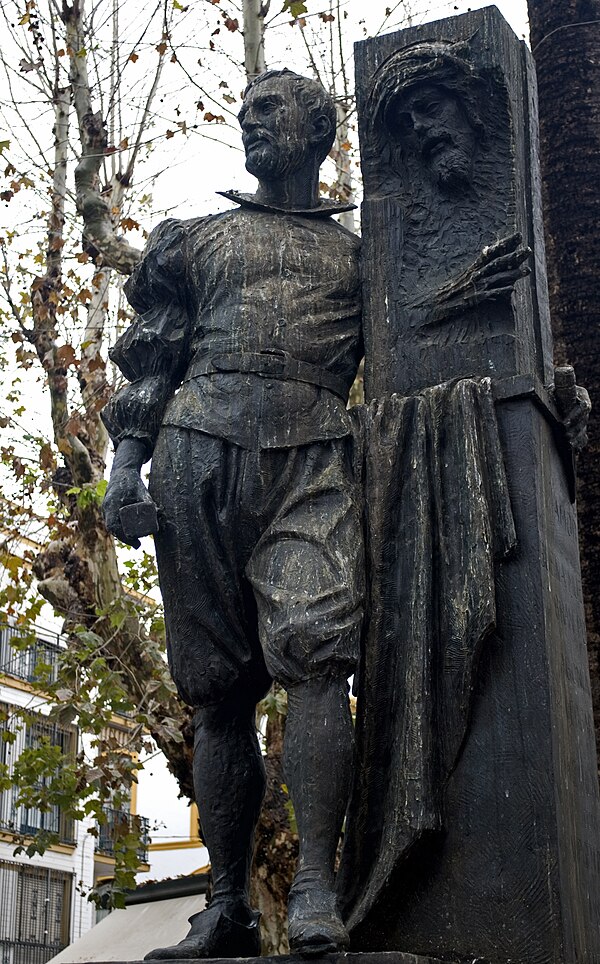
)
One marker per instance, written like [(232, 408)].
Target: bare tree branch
[(6, 284), (254, 38), (144, 119), (99, 227), (45, 293)]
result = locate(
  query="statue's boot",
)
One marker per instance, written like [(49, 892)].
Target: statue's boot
[(314, 922), (214, 933)]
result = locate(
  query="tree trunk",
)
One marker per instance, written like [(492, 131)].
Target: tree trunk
[(344, 188), (98, 214), (276, 846), (254, 37), (565, 41)]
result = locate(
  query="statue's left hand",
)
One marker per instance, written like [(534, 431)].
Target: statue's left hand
[(574, 406), (491, 277), (125, 489)]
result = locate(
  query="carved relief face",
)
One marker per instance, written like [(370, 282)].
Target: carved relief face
[(275, 130), (431, 123)]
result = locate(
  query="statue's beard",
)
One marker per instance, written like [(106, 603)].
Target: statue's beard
[(452, 168), (267, 161)]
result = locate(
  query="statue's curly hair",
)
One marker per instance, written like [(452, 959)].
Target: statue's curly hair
[(313, 97)]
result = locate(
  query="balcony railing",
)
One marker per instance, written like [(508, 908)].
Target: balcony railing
[(15, 817), (118, 823), (28, 952), (27, 821), (25, 662)]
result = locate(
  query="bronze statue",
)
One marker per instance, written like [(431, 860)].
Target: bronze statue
[(240, 362)]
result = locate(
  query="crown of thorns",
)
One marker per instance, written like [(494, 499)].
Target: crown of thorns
[(436, 62)]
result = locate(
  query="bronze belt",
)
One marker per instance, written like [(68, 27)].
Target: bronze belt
[(274, 364)]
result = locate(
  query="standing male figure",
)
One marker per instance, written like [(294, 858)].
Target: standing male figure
[(254, 315)]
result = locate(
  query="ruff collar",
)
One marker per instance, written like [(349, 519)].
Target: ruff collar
[(325, 208)]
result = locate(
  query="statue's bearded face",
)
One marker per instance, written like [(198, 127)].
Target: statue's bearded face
[(275, 130), (431, 123)]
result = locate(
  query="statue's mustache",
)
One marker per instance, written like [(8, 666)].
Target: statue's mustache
[(435, 140), (256, 137)]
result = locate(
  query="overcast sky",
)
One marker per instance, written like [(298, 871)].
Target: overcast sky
[(200, 169)]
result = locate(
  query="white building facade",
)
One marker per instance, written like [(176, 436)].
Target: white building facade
[(43, 899)]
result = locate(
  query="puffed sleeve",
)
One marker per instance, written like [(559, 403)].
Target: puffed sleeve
[(152, 353)]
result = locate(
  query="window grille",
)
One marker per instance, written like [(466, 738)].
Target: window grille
[(25, 663), (35, 912), (28, 820), (118, 823)]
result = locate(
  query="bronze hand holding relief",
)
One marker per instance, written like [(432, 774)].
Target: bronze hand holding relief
[(128, 508), (491, 277)]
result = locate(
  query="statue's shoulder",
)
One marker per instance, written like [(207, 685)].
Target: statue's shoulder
[(344, 236), (170, 237), (178, 227), (166, 236), (175, 227), (193, 228)]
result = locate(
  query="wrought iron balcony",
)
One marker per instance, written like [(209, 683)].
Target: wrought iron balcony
[(25, 659), (118, 824), (15, 816), (28, 821)]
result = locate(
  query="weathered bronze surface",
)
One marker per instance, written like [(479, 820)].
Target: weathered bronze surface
[(240, 362), (473, 829), (381, 958)]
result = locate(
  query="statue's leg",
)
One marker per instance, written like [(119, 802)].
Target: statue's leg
[(218, 667), (308, 579), (229, 782), (319, 742)]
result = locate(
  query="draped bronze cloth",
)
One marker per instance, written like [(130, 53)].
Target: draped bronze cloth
[(438, 517)]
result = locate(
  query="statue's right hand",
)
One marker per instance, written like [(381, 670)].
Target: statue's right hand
[(125, 488), (491, 277)]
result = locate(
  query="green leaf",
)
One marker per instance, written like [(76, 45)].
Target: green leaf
[(295, 7)]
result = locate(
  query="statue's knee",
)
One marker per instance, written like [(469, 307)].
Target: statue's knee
[(229, 710)]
